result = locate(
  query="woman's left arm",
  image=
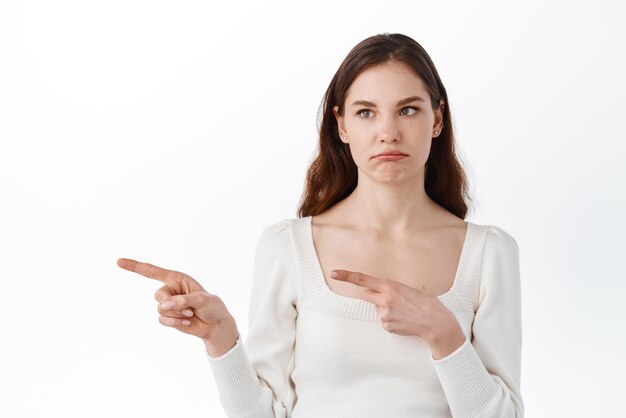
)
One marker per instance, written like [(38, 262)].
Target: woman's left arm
[(482, 377)]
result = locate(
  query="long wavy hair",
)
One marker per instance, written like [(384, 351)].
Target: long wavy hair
[(333, 175)]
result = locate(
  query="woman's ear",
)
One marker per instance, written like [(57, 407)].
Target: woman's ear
[(439, 118), (340, 125)]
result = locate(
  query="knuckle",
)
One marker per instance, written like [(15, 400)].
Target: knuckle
[(386, 302), (181, 277), (162, 293), (168, 321), (180, 301), (204, 300), (209, 299), (171, 275)]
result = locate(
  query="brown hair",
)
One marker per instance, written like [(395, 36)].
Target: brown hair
[(332, 175)]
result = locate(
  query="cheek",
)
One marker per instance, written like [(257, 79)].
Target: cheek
[(419, 124), (361, 139), (354, 126)]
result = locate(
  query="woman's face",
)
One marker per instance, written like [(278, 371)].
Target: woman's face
[(388, 108)]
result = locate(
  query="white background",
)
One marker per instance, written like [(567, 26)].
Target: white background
[(174, 132)]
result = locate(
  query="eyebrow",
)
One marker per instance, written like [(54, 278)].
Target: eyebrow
[(400, 103)]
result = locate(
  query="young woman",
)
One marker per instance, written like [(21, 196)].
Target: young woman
[(423, 316)]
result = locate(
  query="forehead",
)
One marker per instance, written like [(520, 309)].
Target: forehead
[(387, 82)]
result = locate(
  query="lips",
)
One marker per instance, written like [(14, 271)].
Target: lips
[(390, 153)]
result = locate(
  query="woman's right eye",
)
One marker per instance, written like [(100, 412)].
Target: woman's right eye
[(360, 113)]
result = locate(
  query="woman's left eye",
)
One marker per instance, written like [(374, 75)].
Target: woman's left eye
[(360, 113), (413, 109)]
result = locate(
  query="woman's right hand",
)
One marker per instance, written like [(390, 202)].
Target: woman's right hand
[(186, 306)]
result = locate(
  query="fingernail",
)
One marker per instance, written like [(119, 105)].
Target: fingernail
[(167, 305), (187, 312), (334, 274), (186, 322)]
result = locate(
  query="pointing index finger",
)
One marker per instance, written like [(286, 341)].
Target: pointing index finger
[(360, 279), (148, 270)]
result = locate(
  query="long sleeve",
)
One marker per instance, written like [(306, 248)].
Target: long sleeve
[(253, 379), (482, 377)]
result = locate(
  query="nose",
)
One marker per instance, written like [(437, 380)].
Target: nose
[(388, 129)]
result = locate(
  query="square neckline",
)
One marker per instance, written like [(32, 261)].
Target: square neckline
[(460, 269)]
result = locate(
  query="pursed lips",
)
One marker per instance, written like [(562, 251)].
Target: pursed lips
[(391, 154)]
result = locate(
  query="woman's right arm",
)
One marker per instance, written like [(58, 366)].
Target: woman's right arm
[(254, 379)]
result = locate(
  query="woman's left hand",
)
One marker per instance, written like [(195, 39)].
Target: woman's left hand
[(404, 310)]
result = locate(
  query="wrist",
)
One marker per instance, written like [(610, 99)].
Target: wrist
[(222, 340), (446, 337), (446, 340)]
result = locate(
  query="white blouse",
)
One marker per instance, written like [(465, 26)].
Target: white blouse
[(312, 353)]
